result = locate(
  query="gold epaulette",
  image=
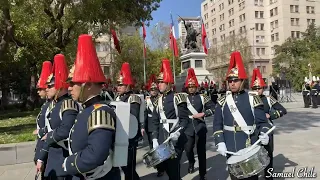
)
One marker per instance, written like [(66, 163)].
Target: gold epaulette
[(272, 100), (257, 101), (221, 100), (180, 98), (205, 98), (135, 99), (69, 104), (100, 119)]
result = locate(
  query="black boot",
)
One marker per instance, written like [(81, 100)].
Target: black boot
[(191, 168), (202, 178), (159, 174)]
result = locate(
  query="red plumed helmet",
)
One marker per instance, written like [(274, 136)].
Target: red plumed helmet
[(206, 85), (166, 72), (152, 83), (125, 77), (59, 75), (257, 80), (191, 79), (45, 72), (87, 65), (236, 68)]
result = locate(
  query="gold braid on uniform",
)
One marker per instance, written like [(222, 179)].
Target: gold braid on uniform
[(69, 104), (135, 99), (100, 119), (221, 100), (180, 98), (206, 99), (257, 101), (272, 100), (156, 101)]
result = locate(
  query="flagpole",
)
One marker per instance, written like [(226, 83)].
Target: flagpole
[(144, 62), (173, 59)]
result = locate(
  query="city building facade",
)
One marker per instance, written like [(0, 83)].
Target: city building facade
[(264, 23)]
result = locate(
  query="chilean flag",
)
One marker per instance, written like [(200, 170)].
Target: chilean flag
[(173, 40), (116, 41), (204, 39), (144, 35)]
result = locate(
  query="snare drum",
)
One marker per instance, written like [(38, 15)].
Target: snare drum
[(248, 164), (157, 155)]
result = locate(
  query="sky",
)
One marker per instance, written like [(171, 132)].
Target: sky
[(185, 8)]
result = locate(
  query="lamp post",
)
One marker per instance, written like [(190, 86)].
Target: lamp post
[(253, 51)]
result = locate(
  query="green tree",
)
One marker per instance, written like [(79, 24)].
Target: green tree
[(294, 55), (32, 31)]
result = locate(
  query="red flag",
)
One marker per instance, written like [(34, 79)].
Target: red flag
[(144, 35), (173, 40), (116, 41), (204, 38)]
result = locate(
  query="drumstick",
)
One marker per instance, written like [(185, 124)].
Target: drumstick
[(259, 140), (233, 153), (168, 139)]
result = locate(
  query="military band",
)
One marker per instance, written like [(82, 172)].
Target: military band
[(272, 108), (84, 132)]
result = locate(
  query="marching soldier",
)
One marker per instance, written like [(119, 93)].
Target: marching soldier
[(223, 90), (172, 112), (306, 92), (199, 106), (107, 93), (238, 114), (151, 104), (314, 92), (41, 128), (61, 118), (125, 82), (213, 93), (272, 108), (92, 137)]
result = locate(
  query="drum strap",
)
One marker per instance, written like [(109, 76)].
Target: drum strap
[(149, 104), (235, 113), (163, 119), (268, 99)]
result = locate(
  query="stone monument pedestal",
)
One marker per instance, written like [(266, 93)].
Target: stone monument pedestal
[(197, 61)]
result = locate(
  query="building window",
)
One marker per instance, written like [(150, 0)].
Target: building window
[(206, 16), (222, 17), (213, 21), (231, 23), (232, 33), (260, 51), (205, 7), (231, 12), (294, 21), (223, 37), (214, 40), (242, 29), (274, 24), (272, 51), (214, 31), (198, 64), (273, 1), (221, 27), (274, 12), (213, 11), (264, 69), (295, 34), (242, 5), (221, 6), (186, 65), (310, 9), (294, 8), (277, 36), (259, 39), (259, 27), (230, 2), (259, 14), (274, 37), (242, 17), (106, 70), (311, 21)]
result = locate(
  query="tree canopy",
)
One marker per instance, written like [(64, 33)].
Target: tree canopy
[(294, 55)]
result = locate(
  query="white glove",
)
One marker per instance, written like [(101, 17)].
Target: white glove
[(264, 138), (175, 136), (222, 148), (155, 143)]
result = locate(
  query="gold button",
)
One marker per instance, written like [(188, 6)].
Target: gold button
[(75, 121), (72, 164)]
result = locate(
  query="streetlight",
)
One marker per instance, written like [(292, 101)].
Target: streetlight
[(253, 51)]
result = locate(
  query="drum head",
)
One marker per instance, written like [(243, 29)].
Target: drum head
[(243, 155), (133, 128)]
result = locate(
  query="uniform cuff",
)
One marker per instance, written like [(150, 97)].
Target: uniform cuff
[(208, 112), (43, 155), (218, 137), (70, 165), (264, 129), (50, 138)]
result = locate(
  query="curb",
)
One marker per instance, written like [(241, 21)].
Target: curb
[(17, 153)]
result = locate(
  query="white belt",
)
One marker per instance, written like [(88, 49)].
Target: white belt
[(164, 121), (238, 128), (149, 115)]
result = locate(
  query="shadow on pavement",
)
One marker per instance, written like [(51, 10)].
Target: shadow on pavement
[(296, 121)]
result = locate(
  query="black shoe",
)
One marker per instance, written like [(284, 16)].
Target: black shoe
[(202, 178), (159, 174), (191, 169)]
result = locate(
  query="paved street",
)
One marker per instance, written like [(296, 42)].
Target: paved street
[(296, 145)]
